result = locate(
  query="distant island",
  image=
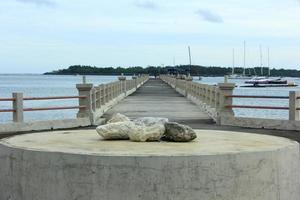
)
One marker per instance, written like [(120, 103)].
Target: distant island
[(196, 70)]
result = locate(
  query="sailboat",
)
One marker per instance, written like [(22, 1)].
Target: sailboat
[(263, 81), (233, 74), (190, 59)]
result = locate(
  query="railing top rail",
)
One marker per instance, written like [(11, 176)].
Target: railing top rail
[(53, 98), (53, 108), (258, 107), (44, 98), (257, 97), (7, 99), (44, 108), (7, 110)]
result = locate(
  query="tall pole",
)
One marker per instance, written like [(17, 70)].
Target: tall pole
[(261, 64), (190, 58), (233, 63), (244, 72), (174, 61), (269, 72)]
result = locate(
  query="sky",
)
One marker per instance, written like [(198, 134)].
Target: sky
[(37, 36)]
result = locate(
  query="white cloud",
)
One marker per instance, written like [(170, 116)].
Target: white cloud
[(145, 4), (209, 16), (48, 3)]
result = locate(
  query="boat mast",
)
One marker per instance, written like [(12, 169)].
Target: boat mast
[(269, 72), (261, 64), (190, 58), (174, 61), (233, 63), (244, 72)]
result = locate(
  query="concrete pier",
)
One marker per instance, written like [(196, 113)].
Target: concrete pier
[(156, 98), (219, 165)]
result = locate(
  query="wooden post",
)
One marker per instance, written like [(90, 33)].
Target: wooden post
[(293, 105), (18, 115), (85, 90)]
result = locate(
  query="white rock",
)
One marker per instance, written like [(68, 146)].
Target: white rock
[(150, 129), (148, 121), (140, 130), (117, 131), (147, 133), (118, 117)]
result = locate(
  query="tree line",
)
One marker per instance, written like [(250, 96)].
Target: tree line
[(194, 70)]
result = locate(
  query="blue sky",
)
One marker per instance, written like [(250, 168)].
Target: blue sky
[(43, 35)]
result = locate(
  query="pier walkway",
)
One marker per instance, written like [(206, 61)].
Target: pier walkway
[(157, 99)]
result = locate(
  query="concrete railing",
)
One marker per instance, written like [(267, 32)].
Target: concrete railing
[(102, 97), (93, 102), (208, 97), (217, 102)]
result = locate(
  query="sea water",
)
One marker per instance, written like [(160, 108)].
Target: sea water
[(65, 85), (267, 91), (44, 86)]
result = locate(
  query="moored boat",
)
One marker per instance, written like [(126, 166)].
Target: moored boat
[(269, 82)]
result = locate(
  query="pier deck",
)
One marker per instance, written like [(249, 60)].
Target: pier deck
[(157, 99)]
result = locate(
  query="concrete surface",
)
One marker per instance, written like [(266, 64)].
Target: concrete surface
[(156, 98), (12, 128), (280, 124), (218, 165)]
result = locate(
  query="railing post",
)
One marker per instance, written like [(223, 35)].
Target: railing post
[(94, 99), (216, 97), (135, 81), (226, 89), (83, 79), (188, 81), (122, 78), (98, 96), (293, 105), (105, 96), (211, 96), (177, 81), (85, 90), (226, 79), (18, 115)]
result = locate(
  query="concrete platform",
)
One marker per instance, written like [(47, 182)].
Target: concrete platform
[(219, 165)]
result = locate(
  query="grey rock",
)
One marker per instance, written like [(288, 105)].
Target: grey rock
[(117, 131), (148, 121), (146, 132), (118, 117), (178, 133), (151, 129)]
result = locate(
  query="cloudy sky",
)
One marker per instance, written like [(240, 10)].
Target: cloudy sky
[(44, 35)]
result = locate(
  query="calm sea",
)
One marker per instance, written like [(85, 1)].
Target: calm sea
[(43, 86), (52, 85)]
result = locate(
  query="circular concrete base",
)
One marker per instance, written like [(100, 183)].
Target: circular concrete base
[(79, 165)]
